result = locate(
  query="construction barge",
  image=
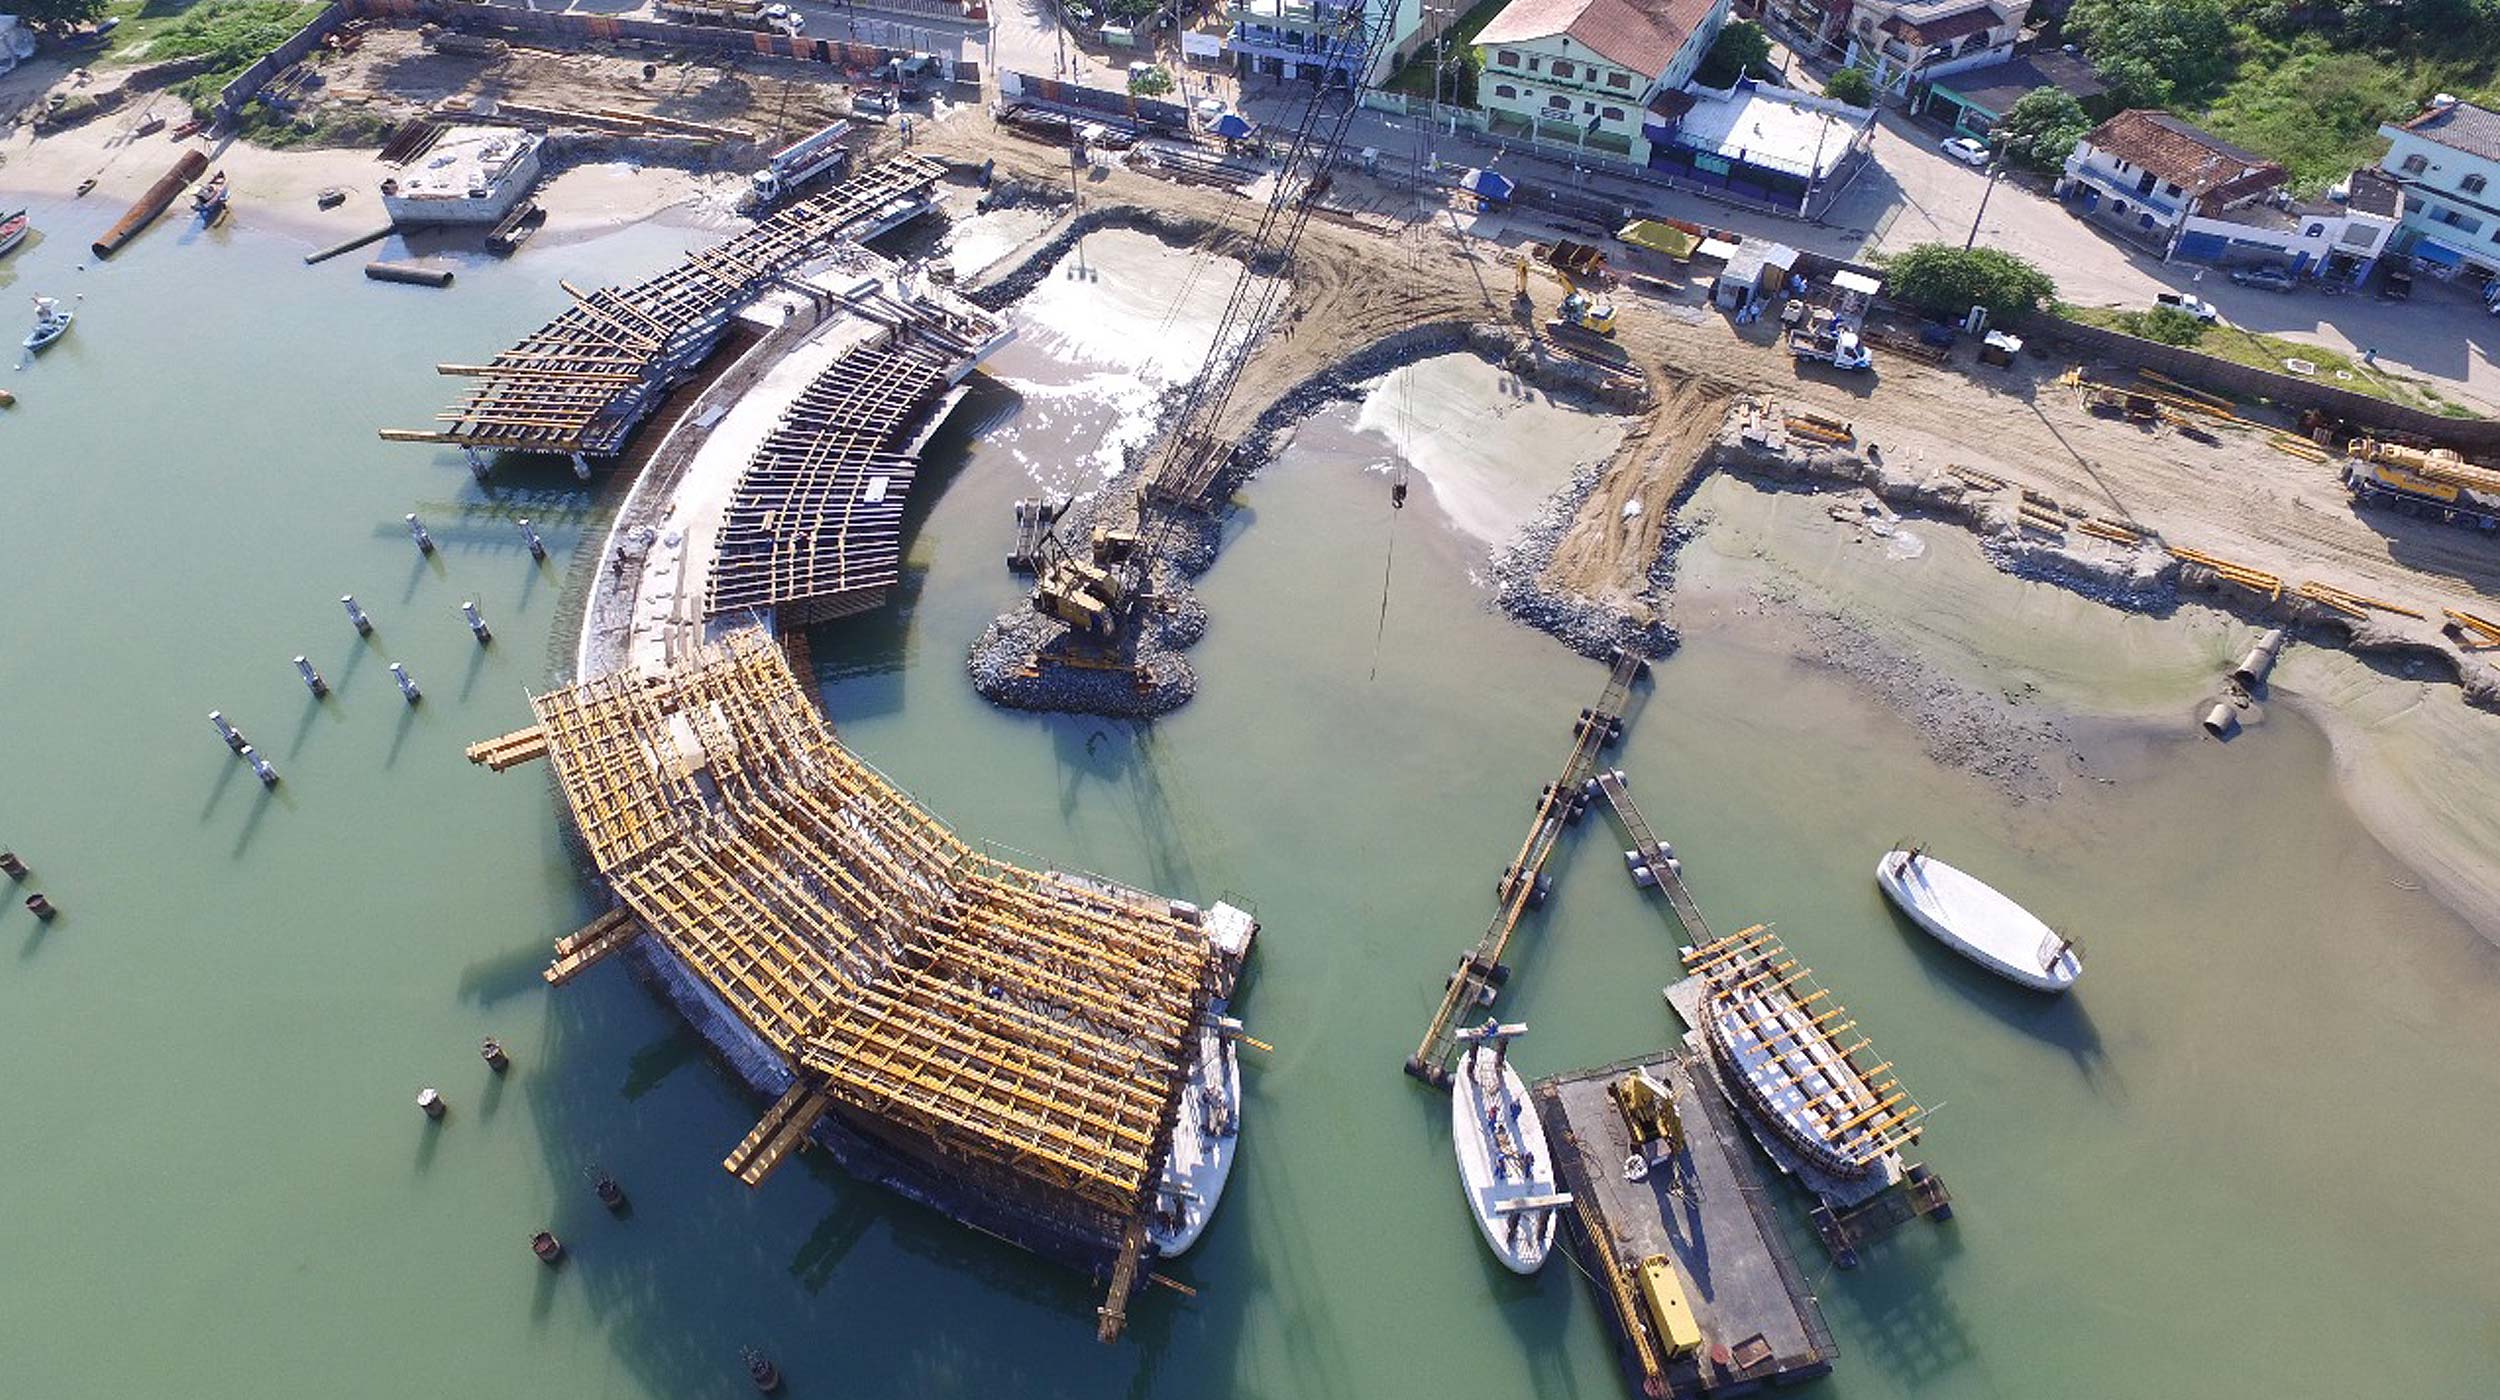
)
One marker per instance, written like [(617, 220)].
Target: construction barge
[(1012, 1047)]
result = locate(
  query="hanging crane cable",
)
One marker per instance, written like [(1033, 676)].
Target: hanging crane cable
[(1397, 476)]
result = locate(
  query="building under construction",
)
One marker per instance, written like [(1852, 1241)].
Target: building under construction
[(1011, 1046)]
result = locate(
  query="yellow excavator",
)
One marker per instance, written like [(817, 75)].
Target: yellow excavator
[(1576, 266)]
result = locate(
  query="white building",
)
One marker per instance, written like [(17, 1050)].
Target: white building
[(472, 175), (2181, 189), (1309, 39), (1579, 72), (1901, 42), (2447, 163)]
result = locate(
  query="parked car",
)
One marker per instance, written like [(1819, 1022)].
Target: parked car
[(1965, 150), (2395, 285), (873, 104), (2190, 303), (2264, 279)]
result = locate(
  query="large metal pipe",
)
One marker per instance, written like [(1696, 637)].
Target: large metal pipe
[(2260, 659), (159, 196), (414, 274), (2221, 721)]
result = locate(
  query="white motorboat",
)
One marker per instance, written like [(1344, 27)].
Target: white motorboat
[(1973, 919), (1502, 1162), (51, 323), (1205, 1135)]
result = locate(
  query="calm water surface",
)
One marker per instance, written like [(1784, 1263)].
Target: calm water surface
[(2249, 1157)]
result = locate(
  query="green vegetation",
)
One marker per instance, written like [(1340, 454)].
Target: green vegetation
[(231, 34), (1741, 48), (56, 14), (2303, 82), (2167, 324), (2041, 128), (1150, 82), (1461, 64), (328, 126), (1946, 282), (1851, 85), (2246, 347)]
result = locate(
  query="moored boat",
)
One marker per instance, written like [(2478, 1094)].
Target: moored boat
[(51, 323), (14, 227), (209, 200), (1503, 1164), (1972, 918), (1206, 1132)]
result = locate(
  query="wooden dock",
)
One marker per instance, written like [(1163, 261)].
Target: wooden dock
[(1706, 1209), (1523, 884)]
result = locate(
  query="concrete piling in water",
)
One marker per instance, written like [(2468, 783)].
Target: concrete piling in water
[(312, 678), (2253, 668), (40, 907), (261, 767), (355, 614), (529, 533), (233, 736), (497, 1059), (477, 621), (2222, 721), (479, 462), (430, 1102), (581, 466), (12, 866), (416, 531), (407, 683)]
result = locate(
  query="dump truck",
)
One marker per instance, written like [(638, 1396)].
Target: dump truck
[(2433, 482)]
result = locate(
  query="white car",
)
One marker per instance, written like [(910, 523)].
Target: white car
[(1966, 150)]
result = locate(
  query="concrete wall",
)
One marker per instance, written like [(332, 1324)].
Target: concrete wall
[(2471, 436), (250, 81)]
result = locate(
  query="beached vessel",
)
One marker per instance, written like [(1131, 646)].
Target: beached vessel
[(51, 323), (14, 227), (1502, 1161), (1204, 1135), (1973, 919), (209, 200)]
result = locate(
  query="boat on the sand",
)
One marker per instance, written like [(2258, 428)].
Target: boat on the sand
[(1973, 919), (1502, 1159)]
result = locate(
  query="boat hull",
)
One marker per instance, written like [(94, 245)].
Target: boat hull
[(1967, 915), (1205, 1138), (45, 335), (1524, 1239), (13, 231)]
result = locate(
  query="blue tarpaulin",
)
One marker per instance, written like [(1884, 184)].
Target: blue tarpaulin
[(1484, 184), (1231, 127)]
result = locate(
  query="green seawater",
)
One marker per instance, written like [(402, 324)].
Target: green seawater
[(2251, 1155)]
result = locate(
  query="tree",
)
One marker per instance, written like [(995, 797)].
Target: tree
[(1740, 48), (1946, 282), (2167, 324), (2152, 52), (1150, 82), (56, 15), (1851, 85), (2041, 128)]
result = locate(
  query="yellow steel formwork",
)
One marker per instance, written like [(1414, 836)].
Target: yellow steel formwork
[(1037, 1023)]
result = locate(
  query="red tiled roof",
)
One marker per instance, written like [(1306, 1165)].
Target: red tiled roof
[(1642, 35), (2208, 168)]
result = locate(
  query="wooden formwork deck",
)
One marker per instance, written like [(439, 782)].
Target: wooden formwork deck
[(818, 512), (985, 1011), (580, 382)]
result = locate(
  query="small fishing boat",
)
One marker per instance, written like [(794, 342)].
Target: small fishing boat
[(1502, 1162), (1974, 920), (209, 200), (1204, 1136), (13, 229), (85, 186), (330, 198), (51, 323)]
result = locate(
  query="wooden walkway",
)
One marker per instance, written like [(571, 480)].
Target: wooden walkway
[(1481, 973), (580, 383)]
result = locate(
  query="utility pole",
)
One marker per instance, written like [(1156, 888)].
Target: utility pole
[(1996, 168)]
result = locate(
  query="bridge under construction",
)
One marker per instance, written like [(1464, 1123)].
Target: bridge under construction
[(1010, 1045)]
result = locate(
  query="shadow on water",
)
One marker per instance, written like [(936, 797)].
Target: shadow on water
[(2060, 1020), (269, 797), (217, 790)]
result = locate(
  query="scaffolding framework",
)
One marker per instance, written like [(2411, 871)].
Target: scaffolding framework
[(1026, 1031), (580, 383)]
